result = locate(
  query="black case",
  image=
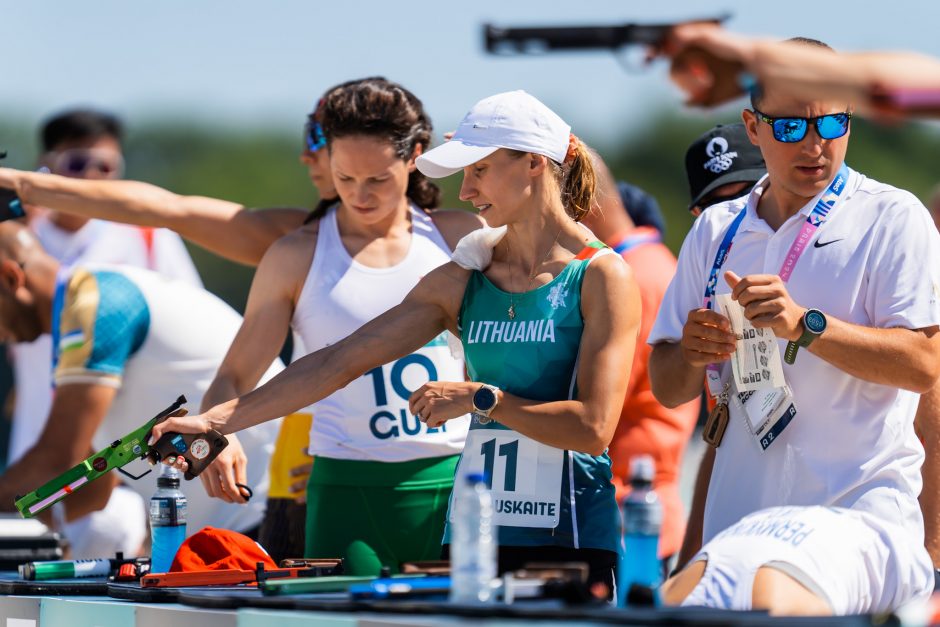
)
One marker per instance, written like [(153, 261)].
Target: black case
[(16, 550)]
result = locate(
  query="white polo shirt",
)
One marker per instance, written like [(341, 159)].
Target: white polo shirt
[(852, 443)]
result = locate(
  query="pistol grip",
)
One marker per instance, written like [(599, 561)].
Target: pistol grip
[(198, 449)]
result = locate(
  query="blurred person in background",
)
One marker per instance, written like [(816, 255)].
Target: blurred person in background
[(720, 165), (646, 427), (642, 207), (86, 144)]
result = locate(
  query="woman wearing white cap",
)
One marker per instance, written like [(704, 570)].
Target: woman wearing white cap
[(548, 322)]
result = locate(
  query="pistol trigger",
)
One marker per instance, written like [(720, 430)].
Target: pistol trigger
[(127, 474)]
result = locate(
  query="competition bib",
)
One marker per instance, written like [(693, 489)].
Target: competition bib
[(524, 476)]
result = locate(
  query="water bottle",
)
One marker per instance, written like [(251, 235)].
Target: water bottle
[(642, 520), (167, 520), (473, 542)]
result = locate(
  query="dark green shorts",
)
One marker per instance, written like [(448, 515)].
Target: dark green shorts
[(377, 514)]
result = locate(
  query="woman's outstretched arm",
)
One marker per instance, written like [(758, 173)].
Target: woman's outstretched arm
[(226, 228), (429, 309)]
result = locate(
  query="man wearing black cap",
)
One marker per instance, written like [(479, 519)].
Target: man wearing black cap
[(722, 165)]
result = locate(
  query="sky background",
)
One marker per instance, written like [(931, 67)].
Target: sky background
[(264, 64)]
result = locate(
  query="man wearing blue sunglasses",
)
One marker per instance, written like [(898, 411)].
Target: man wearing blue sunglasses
[(812, 495)]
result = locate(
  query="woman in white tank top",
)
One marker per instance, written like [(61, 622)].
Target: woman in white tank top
[(378, 490)]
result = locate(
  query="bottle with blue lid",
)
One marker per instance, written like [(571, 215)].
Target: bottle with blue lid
[(642, 520), (167, 520)]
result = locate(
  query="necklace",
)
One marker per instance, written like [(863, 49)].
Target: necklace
[(511, 312)]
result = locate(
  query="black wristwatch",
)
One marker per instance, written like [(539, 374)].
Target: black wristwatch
[(484, 402), (814, 323)]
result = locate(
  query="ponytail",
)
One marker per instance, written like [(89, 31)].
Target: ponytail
[(578, 181), (423, 192)]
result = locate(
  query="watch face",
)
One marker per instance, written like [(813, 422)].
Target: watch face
[(815, 321), (484, 399)]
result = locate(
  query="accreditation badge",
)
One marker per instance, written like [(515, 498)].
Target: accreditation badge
[(524, 476), (768, 412)]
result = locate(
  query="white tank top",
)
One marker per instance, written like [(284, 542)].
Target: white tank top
[(369, 418)]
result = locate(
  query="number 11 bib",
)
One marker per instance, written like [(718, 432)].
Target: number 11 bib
[(524, 476)]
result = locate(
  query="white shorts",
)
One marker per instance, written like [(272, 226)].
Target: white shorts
[(852, 560)]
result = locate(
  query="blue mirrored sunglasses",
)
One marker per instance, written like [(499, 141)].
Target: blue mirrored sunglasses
[(792, 130), (313, 135)]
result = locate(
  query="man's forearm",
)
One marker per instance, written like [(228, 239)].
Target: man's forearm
[(674, 380), (927, 424), (901, 358)]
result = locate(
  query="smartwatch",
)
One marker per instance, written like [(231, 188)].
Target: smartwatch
[(814, 323), (484, 402)]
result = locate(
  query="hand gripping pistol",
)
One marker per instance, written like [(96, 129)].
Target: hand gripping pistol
[(199, 449)]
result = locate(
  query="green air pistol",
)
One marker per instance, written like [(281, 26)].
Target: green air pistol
[(199, 449)]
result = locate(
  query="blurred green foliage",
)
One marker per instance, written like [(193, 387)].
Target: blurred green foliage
[(261, 169)]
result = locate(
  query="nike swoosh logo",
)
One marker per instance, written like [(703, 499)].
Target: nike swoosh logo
[(818, 244)]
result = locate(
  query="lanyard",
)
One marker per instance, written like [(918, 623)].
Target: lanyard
[(632, 241), (814, 221)]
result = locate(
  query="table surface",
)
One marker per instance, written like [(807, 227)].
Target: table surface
[(73, 604)]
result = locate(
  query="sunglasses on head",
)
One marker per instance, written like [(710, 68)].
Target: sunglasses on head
[(792, 130), (78, 162), (313, 135)]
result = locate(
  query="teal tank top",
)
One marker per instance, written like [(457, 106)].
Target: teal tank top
[(535, 356)]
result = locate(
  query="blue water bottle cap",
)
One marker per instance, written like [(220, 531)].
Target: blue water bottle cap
[(475, 477)]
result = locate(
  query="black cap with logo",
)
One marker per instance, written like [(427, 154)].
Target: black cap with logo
[(722, 155)]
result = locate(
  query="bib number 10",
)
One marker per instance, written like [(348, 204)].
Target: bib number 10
[(397, 421), (397, 377)]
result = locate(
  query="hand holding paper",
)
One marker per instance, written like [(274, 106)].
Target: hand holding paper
[(756, 362), (767, 303)]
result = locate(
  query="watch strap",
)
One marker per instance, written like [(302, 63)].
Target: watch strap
[(789, 355)]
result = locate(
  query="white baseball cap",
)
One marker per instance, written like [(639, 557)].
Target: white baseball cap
[(513, 119)]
